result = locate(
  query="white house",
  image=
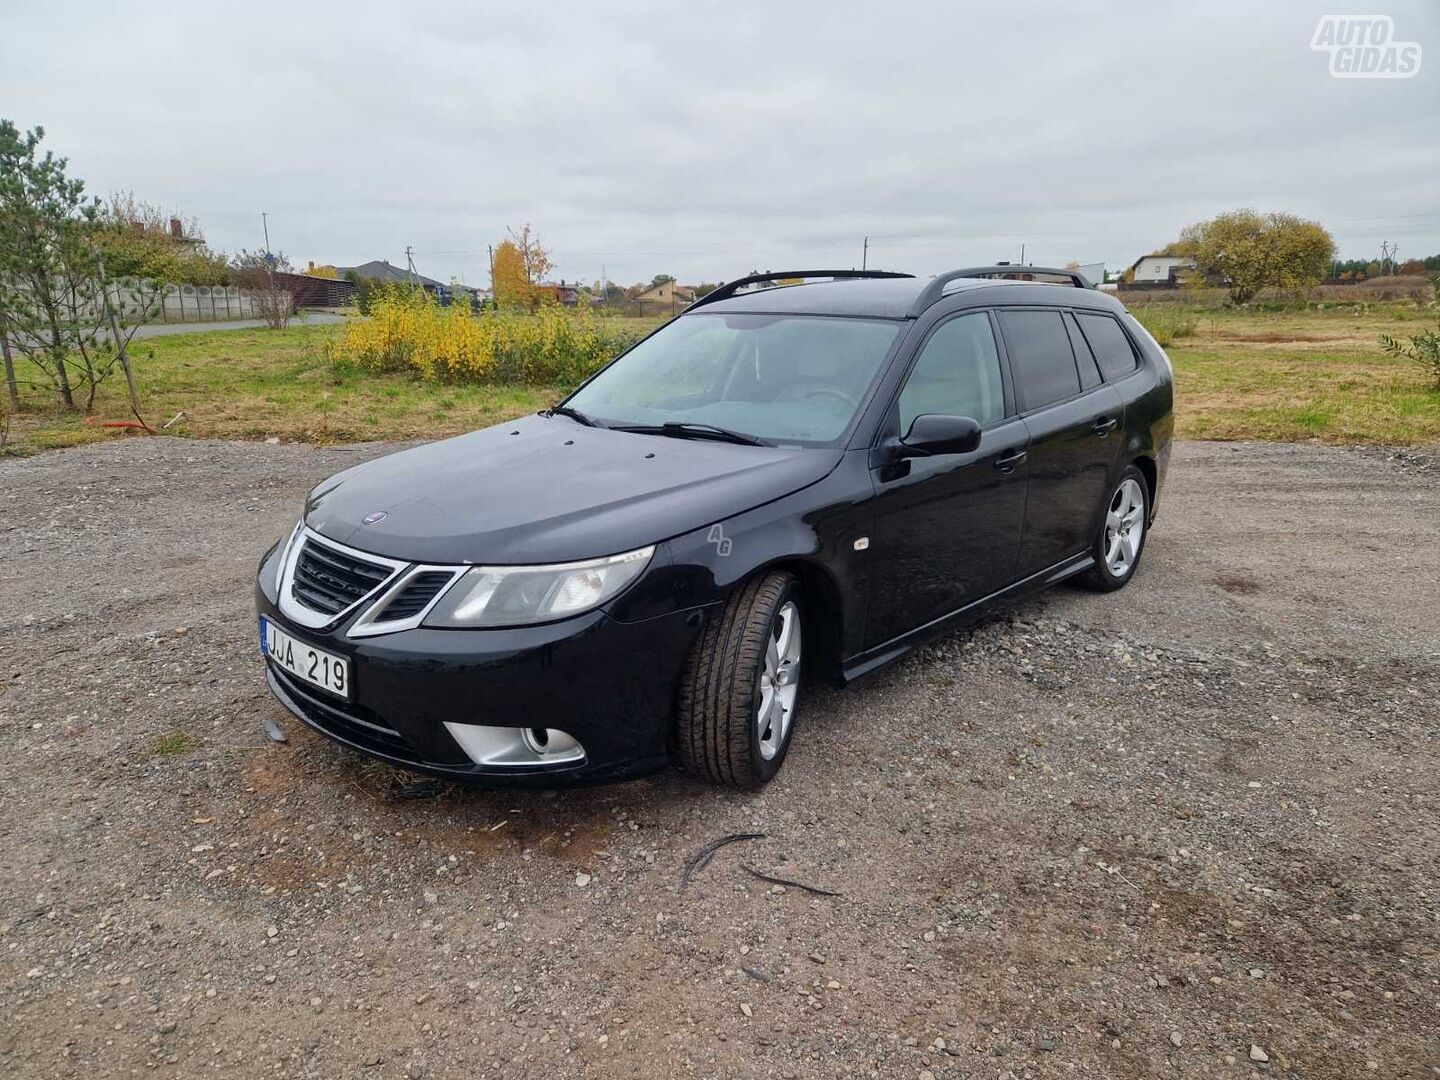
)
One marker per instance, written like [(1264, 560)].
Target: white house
[(1159, 271)]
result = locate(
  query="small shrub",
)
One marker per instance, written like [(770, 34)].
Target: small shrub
[(1423, 348), (1168, 323), (408, 330)]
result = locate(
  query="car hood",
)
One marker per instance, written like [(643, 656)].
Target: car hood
[(547, 489)]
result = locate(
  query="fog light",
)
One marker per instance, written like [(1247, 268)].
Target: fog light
[(516, 747)]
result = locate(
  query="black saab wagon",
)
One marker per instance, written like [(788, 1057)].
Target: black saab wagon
[(784, 483)]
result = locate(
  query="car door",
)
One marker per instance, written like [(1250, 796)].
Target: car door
[(947, 526), (1074, 425)]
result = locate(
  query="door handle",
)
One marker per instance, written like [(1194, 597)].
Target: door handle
[(1104, 425), (1008, 462)]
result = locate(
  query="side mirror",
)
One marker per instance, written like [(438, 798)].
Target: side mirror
[(934, 433)]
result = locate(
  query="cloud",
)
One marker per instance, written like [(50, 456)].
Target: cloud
[(707, 142)]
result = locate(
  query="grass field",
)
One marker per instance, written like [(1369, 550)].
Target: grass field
[(1303, 375), (1290, 376), (254, 384)]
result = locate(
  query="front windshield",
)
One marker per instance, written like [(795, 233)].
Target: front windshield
[(781, 378)]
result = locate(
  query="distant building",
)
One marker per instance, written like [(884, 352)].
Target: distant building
[(315, 292), (666, 294), (563, 292), (1158, 271), (381, 270)]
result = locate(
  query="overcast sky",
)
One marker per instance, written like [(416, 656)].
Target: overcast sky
[(707, 140)]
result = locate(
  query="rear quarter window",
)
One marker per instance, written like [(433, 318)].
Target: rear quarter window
[(1084, 359), (1041, 359), (1112, 349)]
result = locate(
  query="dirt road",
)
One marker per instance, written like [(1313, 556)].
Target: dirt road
[(1191, 829)]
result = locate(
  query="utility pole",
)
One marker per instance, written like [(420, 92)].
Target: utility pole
[(1022, 253), (1389, 256), (410, 262), (865, 255), (491, 249), (265, 224)]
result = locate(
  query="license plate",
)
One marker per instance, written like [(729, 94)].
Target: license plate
[(317, 667)]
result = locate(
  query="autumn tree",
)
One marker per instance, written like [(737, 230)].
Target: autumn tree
[(1250, 251), (508, 280), (521, 264), (537, 260)]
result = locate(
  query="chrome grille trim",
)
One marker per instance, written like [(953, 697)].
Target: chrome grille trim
[(309, 617), (371, 622)]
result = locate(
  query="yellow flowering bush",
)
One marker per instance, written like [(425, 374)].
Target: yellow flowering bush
[(408, 330)]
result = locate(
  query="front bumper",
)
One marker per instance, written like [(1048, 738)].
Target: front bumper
[(608, 683)]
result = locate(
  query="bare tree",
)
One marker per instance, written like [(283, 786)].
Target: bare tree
[(254, 273)]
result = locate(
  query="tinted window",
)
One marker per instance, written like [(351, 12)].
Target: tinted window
[(1040, 357), (1110, 345), (1084, 359), (958, 374)]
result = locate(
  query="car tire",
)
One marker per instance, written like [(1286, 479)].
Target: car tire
[(1120, 540), (740, 688)]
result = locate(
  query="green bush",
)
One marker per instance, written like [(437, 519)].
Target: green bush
[(1423, 348)]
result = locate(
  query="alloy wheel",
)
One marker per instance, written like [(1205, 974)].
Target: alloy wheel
[(1124, 527), (779, 681)]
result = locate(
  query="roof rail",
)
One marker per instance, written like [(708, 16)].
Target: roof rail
[(936, 288), (730, 288)]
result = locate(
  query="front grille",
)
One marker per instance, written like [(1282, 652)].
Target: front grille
[(329, 581), (418, 592)]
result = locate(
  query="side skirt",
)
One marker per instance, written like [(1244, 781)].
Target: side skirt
[(872, 659)]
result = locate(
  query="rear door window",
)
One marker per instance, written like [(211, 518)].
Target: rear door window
[(1108, 342), (1041, 360)]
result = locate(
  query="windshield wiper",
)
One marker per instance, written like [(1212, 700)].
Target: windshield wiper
[(574, 414), (684, 429)]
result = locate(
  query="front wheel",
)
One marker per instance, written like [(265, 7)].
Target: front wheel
[(741, 685), (1122, 534)]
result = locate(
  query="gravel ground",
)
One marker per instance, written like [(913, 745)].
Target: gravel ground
[(1189, 829)]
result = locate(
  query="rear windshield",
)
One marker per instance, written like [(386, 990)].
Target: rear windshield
[(783, 378)]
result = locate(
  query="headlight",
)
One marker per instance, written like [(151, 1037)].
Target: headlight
[(519, 595)]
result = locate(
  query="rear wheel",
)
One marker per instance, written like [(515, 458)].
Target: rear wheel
[(741, 685), (1122, 534)]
